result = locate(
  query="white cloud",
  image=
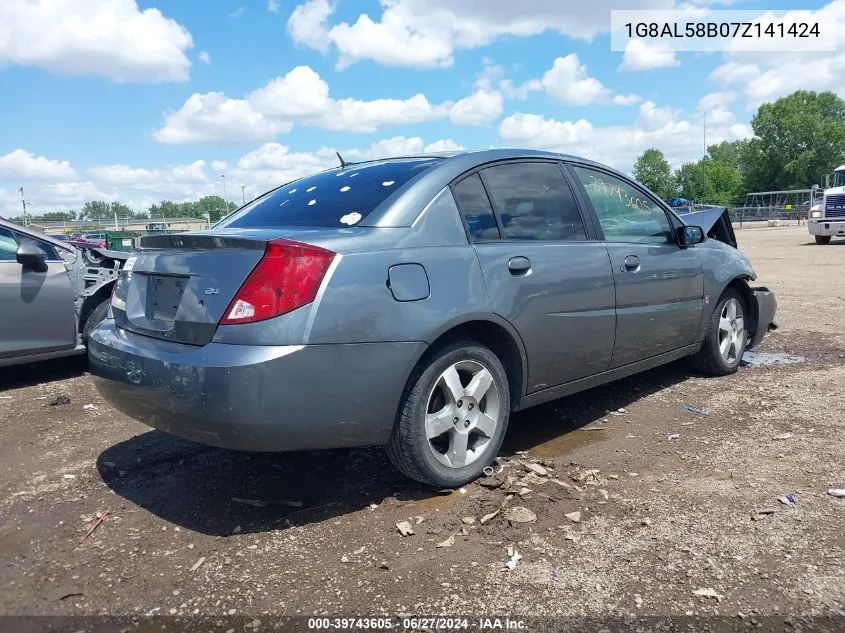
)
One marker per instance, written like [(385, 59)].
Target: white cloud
[(260, 169), (766, 76), (302, 97), (237, 12), (24, 166), (641, 56), (204, 57), (567, 82), (273, 6), (123, 176), (626, 100), (110, 38), (425, 33), (215, 118), (480, 108), (619, 145)]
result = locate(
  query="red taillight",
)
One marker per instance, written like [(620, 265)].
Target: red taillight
[(286, 278)]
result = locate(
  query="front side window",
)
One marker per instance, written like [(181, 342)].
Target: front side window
[(335, 198), (8, 246), (625, 213), (534, 202)]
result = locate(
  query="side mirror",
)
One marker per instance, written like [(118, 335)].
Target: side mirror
[(689, 235), (31, 255)]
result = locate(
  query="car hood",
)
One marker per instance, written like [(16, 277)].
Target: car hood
[(716, 224)]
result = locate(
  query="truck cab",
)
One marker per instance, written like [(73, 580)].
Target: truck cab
[(827, 219)]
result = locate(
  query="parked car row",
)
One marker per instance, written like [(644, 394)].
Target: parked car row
[(417, 302)]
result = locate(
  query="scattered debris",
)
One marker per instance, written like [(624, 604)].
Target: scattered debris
[(758, 359), (373, 506), (782, 436), (344, 559), (675, 436), (762, 514), (99, 522), (462, 491), (575, 517), (488, 517), (520, 514), (90, 407), (692, 409), (404, 528), (58, 401), (250, 502), (488, 471), (536, 469), (646, 522), (513, 558), (68, 476), (788, 500), (384, 565), (709, 593), (360, 550), (839, 493), (418, 520), (198, 564), (449, 542), (236, 529), (468, 520), (523, 491)]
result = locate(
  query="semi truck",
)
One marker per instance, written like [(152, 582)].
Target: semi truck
[(827, 219)]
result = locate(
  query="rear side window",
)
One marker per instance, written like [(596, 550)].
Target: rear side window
[(534, 202), (8, 246), (335, 198), (475, 207)]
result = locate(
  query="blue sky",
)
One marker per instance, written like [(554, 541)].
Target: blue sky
[(140, 101)]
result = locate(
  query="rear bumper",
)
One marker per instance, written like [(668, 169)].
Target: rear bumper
[(766, 308), (258, 398), (827, 227)]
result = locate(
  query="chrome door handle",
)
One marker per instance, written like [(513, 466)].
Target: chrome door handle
[(519, 265)]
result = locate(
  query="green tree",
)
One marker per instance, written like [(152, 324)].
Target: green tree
[(724, 183), (58, 216), (731, 153), (693, 183), (95, 210), (121, 210), (653, 170), (798, 139), (214, 207)]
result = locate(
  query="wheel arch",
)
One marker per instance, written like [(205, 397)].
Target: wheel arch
[(94, 299), (741, 283), (493, 332)]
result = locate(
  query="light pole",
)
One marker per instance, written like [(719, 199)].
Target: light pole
[(243, 195), (225, 193)]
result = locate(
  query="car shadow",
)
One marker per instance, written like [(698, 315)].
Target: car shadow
[(833, 242), (211, 490), (20, 376)]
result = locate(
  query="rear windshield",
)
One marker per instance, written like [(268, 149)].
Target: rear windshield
[(336, 198)]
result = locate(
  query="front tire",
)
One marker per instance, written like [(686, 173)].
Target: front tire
[(453, 416), (726, 337), (822, 239)]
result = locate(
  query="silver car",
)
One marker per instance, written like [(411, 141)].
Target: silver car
[(416, 302), (52, 294)]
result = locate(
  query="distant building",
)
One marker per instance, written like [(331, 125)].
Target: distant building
[(143, 225)]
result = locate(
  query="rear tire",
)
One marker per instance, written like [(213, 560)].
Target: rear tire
[(726, 337), (95, 317), (463, 381), (822, 239)]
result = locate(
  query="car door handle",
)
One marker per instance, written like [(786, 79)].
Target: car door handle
[(631, 264), (519, 265)]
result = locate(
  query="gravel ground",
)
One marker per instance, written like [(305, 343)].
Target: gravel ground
[(618, 500)]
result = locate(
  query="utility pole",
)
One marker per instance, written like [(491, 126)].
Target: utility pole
[(243, 194), (23, 205), (705, 135)]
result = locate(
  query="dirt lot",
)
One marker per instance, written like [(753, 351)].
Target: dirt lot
[(673, 508)]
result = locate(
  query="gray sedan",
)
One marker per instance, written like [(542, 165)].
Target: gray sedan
[(52, 294), (417, 302)]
